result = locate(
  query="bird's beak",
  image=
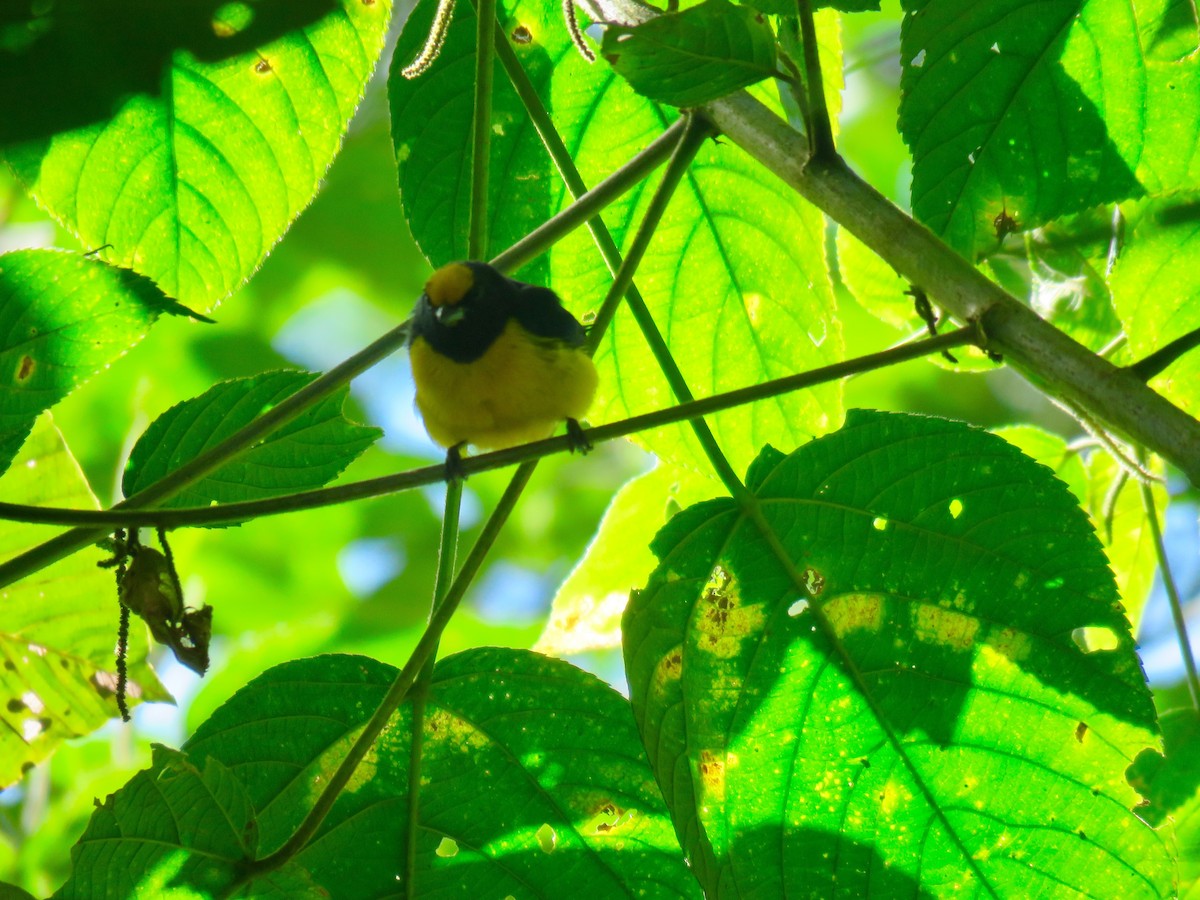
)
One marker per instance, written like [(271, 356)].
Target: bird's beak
[(449, 315)]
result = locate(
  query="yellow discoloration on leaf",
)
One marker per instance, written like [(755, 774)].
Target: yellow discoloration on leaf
[(722, 620), (1008, 642), (892, 797), (452, 731), (855, 612), (711, 770), (942, 626), (669, 668)]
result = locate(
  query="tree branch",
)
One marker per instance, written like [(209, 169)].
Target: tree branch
[(1054, 362)]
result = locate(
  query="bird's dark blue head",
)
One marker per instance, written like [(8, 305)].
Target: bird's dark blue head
[(465, 307)]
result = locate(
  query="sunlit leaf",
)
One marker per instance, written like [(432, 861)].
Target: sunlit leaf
[(1156, 289), (308, 452), (690, 57), (186, 137), (59, 626), (885, 697), (586, 611), (1171, 162), (533, 783), (1033, 109), (62, 319)]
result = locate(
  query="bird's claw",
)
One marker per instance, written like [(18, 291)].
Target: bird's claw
[(577, 441)]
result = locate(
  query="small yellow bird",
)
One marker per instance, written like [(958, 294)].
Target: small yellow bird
[(497, 362)]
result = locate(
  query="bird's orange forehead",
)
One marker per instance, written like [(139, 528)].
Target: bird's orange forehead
[(449, 284)]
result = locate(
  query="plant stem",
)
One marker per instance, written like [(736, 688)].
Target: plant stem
[(1147, 368), (398, 690), (420, 693), (1164, 569), (477, 238), (389, 484), (481, 130), (819, 126)]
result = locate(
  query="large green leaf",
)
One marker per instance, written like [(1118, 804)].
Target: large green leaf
[(60, 625), (691, 57), (533, 782), (884, 698), (186, 136), (735, 276), (1031, 107), (1156, 289), (62, 318), (308, 452)]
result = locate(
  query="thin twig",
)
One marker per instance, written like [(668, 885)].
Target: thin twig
[(390, 484), (819, 124), (1168, 580)]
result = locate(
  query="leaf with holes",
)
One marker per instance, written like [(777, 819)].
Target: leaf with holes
[(60, 626), (735, 277), (1026, 108), (867, 683), (187, 137), (306, 453), (62, 319), (691, 57), (532, 779)]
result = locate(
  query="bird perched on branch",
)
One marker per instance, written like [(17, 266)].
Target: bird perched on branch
[(496, 362)]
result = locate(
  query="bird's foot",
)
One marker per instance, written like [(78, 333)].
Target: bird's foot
[(454, 463), (577, 441)]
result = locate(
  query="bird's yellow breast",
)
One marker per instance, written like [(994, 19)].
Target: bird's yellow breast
[(519, 390)]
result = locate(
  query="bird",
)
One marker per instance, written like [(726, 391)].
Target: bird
[(497, 362)]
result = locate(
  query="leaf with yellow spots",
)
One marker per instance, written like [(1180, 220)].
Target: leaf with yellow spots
[(900, 710)]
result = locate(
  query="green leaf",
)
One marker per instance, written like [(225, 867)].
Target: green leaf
[(691, 57), (1170, 782), (1120, 521), (788, 7), (732, 314), (58, 673), (884, 698), (63, 318), (188, 139), (1171, 779), (533, 782), (586, 612), (175, 830), (1033, 107), (1171, 162), (307, 453), (1156, 289)]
